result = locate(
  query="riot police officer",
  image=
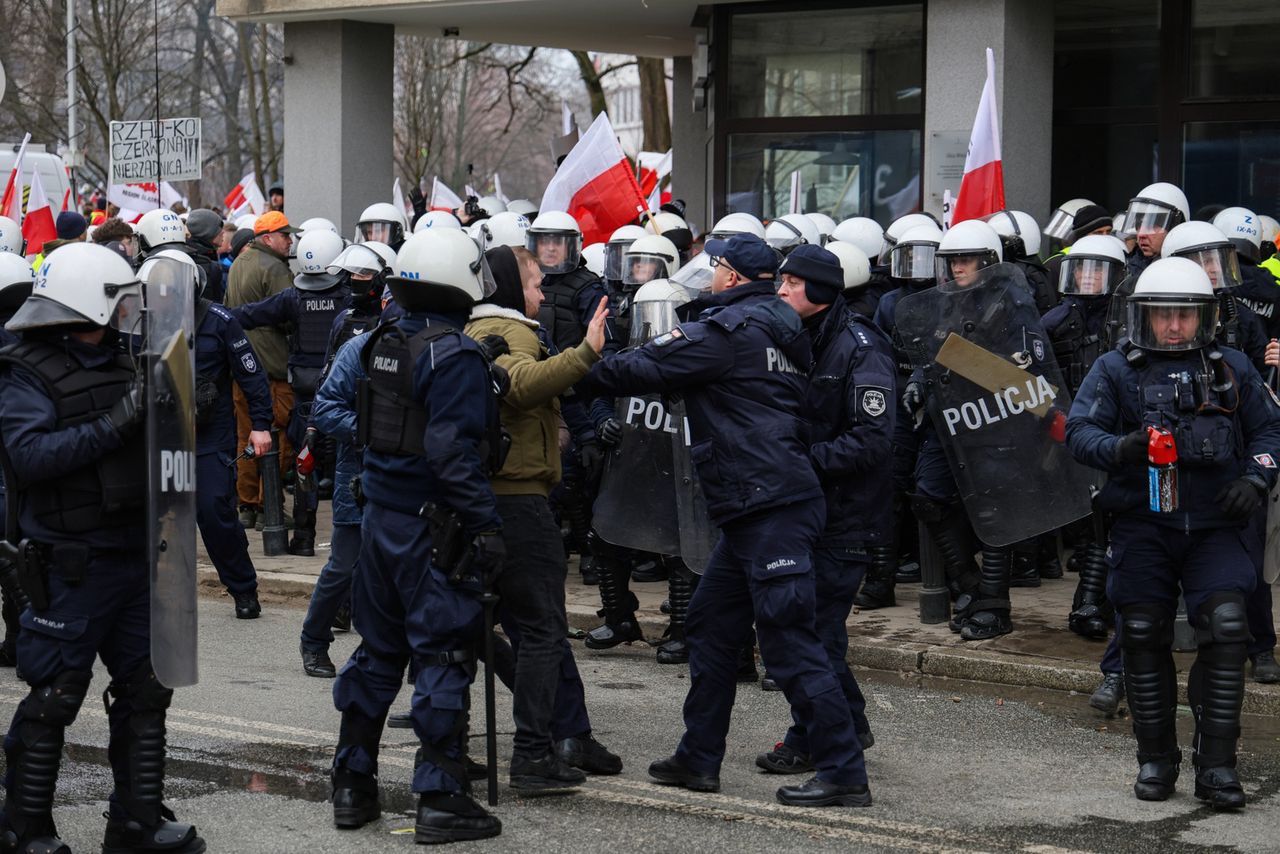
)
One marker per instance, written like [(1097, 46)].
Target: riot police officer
[(72, 429), (1152, 214), (850, 400), (1258, 287), (1222, 431), (430, 428), (308, 310), (742, 373), (16, 279)]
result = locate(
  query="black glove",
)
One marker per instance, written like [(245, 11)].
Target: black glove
[(1132, 447), (493, 346), (501, 380), (610, 431), (418, 201), (128, 413), (591, 456), (490, 552), (1240, 497), (913, 398)]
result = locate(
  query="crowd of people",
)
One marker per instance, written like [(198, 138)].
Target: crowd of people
[(767, 416)]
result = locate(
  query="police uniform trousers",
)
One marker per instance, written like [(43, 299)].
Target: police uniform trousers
[(333, 587), (933, 476), (220, 528), (762, 568), (838, 573), (405, 610)]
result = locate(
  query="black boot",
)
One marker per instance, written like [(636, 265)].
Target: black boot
[(33, 753), (303, 543), (989, 614), (1091, 613), (452, 817), (882, 571), (618, 603), (1152, 689), (680, 585), (747, 663), (949, 528), (355, 794), (1047, 562), (138, 819), (588, 567), (1215, 690), (1023, 571)]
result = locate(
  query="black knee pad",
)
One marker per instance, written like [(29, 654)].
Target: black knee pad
[(143, 690), (58, 702), (1222, 619), (1147, 626), (602, 548)]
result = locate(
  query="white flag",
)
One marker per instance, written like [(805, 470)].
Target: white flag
[(442, 198)]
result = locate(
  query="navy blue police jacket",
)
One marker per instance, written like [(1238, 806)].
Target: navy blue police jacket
[(742, 370), (223, 353), (851, 401), (1237, 435), (287, 309), (451, 379)]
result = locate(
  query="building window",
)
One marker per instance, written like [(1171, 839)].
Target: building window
[(1233, 49), (1232, 163)]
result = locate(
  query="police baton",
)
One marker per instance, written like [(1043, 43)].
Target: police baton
[(490, 601), (246, 454)]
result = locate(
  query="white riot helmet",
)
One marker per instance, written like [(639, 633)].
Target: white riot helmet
[(157, 229), (1157, 207), (824, 224), (440, 270), (1242, 228), (964, 245), (475, 232), (862, 232), (616, 248), (523, 207), (81, 283), (435, 219), (556, 241), (166, 258), (317, 250), (1172, 307), (649, 257), (854, 263), (912, 256), (16, 279), (1093, 268), (901, 226), (653, 309), (593, 256), (1205, 244), (317, 223), (492, 205), (10, 236), (787, 232), (1062, 220), (1269, 228), (696, 274), (1019, 232), (1118, 229), (736, 223), (504, 229), (383, 222), (362, 259)]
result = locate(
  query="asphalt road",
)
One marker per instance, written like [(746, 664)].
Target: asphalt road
[(956, 767)]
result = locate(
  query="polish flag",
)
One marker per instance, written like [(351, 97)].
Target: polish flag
[(245, 197), (442, 198), (38, 225), (982, 188), (654, 169), (11, 202), (595, 185)]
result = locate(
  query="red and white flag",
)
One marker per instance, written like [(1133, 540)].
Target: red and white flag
[(442, 198), (11, 202), (595, 185), (245, 197), (134, 200), (38, 226), (655, 168), (982, 188)]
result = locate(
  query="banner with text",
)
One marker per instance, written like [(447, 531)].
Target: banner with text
[(168, 150)]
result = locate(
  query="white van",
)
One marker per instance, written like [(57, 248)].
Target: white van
[(53, 172)]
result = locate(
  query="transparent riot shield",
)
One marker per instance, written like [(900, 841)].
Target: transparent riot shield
[(698, 535), (1117, 327), (997, 402), (168, 359)]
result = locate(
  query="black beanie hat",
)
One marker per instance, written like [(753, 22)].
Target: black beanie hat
[(1087, 219), (820, 268), (509, 290)]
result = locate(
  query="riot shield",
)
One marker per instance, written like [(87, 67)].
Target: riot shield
[(168, 360), (1117, 327), (997, 402), (698, 535)]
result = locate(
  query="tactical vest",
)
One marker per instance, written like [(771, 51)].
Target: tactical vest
[(107, 492), (1075, 347), (1203, 420), (390, 420), (1230, 332), (559, 313), (317, 311)]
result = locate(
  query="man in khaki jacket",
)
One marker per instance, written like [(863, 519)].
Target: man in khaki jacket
[(533, 576)]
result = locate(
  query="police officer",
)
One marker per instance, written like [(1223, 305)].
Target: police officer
[(72, 427), (1225, 428), (1258, 287), (742, 372), (382, 222), (223, 354), (1020, 235), (308, 310), (850, 400), (157, 230), (16, 279), (1152, 214), (430, 428)]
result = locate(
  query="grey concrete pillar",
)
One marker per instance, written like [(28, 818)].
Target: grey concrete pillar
[(1021, 34), (338, 82), (691, 166)]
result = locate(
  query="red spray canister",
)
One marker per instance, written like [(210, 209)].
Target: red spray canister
[(1162, 470)]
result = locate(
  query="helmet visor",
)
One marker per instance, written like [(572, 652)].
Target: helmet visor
[(1089, 277), (912, 261), (1060, 224), (651, 319), (961, 269), (381, 231), (358, 260), (488, 284), (1172, 324), (696, 275), (785, 237), (556, 251), (613, 259), (1147, 217), (644, 267), (1219, 263)]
